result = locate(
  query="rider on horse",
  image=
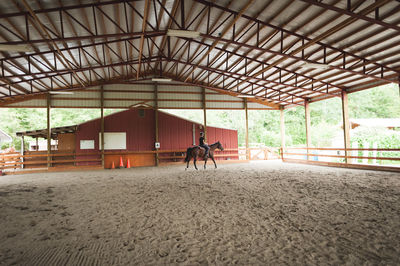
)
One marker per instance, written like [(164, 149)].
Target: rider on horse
[(204, 145)]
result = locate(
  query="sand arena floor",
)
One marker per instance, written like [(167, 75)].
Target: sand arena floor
[(263, 213)]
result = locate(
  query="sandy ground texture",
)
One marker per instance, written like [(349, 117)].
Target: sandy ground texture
[(262, 213)]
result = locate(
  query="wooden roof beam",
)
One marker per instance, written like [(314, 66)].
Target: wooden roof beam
[(21, 68), (245, 41), (78, 41), (325, 34), (223, 91), (158, 17), (186, 45), (293, 42), (29, 63), (310, 42), (55, 30), (359, 40), (289, 55), (68, 64), (241, 76), (201, 14), (65, 8), (224, 31), (166, 39), (90, 45), (260, 62), (354, 15), (146, 12), (52, 74), (232, 76)]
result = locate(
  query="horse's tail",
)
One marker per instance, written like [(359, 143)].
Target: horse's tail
[(187, 154)]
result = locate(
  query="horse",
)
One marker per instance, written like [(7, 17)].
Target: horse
[(197, 151)]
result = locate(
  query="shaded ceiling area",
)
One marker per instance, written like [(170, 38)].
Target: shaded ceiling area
[(277, 53)]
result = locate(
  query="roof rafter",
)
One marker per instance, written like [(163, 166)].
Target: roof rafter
[(354, 15), (224, 31)]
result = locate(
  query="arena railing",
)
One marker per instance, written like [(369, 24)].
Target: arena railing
[(40, 159), (362, 158)]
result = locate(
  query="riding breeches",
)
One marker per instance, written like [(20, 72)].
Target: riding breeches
[(207, 148)]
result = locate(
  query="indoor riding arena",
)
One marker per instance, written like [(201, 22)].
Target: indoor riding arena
[(246, 213), (122, 188)]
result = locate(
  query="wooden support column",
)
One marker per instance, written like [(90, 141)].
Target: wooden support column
[(346, 125), (308, 126), (398, 85), (205, 114), (102, 125), (156, 119), (283, 140), (247, 130), (22, 150), (48, 131)]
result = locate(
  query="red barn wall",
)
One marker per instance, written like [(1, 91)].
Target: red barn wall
[(139, 130), (174, 134)]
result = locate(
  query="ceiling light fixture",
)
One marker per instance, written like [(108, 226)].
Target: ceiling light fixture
[(161, 79), (315, 65), (15, 48), (183, 33), (61, 92)]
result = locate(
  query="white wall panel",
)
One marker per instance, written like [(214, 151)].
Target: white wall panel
[(30, 103), (175, 96), (124, 104), (222, 97), (126, 95), (164, 87), (251, 105), (227, 105), (147, 87), (75, 103), (180, 105)]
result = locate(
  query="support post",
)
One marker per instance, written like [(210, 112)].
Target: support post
[(22, 151), (156, 119), (48, 131), (194, 134), (102, 125), (308, 127), (283, 140), (346, 125), (247, 130), (205, 114)]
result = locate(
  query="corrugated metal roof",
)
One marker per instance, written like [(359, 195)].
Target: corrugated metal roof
[(252, 47)]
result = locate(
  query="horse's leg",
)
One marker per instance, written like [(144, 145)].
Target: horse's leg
[(212, 158), (194, 162), (205, 162), (187, 164)]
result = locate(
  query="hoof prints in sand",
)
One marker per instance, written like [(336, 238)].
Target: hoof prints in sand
[(92, 254)]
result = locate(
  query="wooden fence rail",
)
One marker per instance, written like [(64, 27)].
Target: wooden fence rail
[(39, 159), (351, 160), (260, 153)]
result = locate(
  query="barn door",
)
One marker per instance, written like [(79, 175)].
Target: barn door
[(66, 145)]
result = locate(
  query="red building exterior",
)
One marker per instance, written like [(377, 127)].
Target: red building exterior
[(174, 134)]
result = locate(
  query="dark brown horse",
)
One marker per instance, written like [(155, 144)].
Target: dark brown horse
[(198, 152)]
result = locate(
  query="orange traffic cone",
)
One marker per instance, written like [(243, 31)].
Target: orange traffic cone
[(113, 165), (121, 163), (128, 165)]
